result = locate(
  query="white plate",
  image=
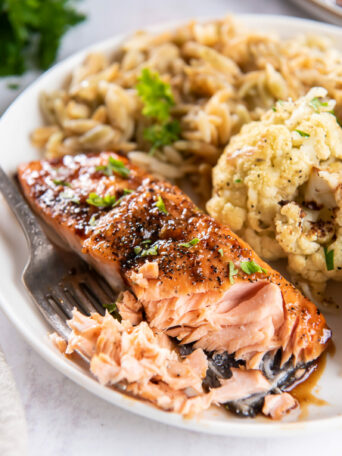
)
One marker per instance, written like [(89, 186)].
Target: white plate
[(15, 127)]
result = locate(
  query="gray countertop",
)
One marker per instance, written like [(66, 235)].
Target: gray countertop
[(64, 419)]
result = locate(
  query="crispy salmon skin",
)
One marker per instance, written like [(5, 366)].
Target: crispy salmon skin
[(190, 277)]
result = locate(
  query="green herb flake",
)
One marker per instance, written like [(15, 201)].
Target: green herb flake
[(113, 310), (93, 221), (157, 98), (329, 259), (114, 166), (106, 201), (162, 135), (153, 250), (238, 181), (232, 272), (303, 133), (161, 205), (155, 94), (61, 182), (128, 191), (220, 251), (250, 267), (68, 194), (149, 250), (316, 104), (274, 109), (189, 244)]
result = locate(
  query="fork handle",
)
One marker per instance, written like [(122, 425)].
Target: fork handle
[(33, 232)]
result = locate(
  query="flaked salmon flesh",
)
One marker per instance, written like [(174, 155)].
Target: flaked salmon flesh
[(186, 275)]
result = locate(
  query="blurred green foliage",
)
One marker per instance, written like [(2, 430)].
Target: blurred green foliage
[(31, 31)]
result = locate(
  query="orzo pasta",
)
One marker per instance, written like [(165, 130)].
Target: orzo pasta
[(221, 76)]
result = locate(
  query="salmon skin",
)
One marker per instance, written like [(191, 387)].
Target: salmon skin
[(187, 275)]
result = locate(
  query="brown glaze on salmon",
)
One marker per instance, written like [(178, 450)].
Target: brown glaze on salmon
[(181, 268)]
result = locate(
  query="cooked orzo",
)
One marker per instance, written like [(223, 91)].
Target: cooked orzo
[(220, 76)]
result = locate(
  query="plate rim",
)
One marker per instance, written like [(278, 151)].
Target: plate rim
[(245, 428)]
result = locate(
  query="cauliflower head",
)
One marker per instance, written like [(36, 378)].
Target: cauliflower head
[(278, 184)]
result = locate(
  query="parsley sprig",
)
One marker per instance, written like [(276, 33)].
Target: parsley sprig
[(162, 135), (32, 30), (157, 98), (189, 244), (155, 94), (114, 166)]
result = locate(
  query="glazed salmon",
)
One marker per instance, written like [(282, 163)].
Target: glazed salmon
[(184, 273)]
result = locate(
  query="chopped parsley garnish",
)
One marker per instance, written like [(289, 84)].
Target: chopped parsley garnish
[(316, 104), (31, 32), (137, 249), (149, 250), (93, 221), (68, 194), (329, 259), (160, 135), (61, 182), (232, 272), (189, 244), (303, 133), (220, 251), (238, 181), (153, 250), (101, 201), (274, 109), (250, 267), (114, 166), (155, 94), (113, 309), (128, 191), (161, 205), (157, 98)]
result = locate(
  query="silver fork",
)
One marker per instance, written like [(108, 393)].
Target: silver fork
[(57, 280)]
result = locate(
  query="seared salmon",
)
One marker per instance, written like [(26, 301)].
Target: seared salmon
[(186, 275)]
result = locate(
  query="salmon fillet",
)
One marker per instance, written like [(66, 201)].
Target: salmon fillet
[(187, 275)]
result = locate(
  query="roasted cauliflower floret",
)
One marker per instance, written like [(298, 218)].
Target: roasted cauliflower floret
[(279, 185), (299, 231)]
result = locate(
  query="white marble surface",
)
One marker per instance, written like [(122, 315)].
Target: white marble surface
[(63, 419)]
